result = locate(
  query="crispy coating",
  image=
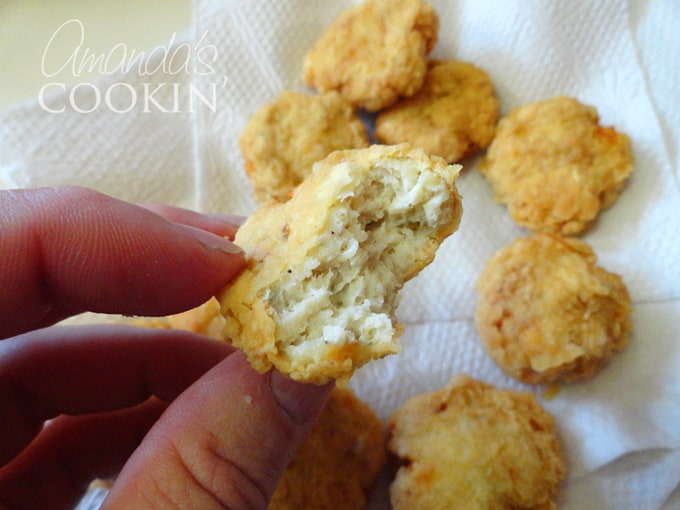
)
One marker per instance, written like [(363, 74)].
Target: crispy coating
[(204, 319), (453, 115), (339, 461), (546, 312), (555, 167), (471, 446), (147, 322), (319, 296), (285, 138), (374, 53)]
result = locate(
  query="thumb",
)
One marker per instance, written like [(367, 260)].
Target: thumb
[(224, 443)]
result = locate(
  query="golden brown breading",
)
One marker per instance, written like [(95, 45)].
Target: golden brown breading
[(147, 322), (339, 461), (204, 319), (555, 167), (285, 138), (471, 446), (318, 298), (453, 115), (546, 312), (374, 53)]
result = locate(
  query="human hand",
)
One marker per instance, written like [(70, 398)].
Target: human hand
[(187, 420)]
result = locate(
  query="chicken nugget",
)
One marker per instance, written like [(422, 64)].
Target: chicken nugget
[(546, 312), (471, 446), (204, 319), (284, 139), (319, 295), (339, 461), (555, 167), (453, 115), (374, 53)]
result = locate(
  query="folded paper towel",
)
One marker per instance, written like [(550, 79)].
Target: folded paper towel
[(615, 428)]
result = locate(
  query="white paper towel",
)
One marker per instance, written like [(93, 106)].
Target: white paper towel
[(620, 430), (144, 154)]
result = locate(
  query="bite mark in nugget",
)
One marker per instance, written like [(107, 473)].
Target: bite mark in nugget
[(546, 312), (374, 53), (318, 298), (471, 446)]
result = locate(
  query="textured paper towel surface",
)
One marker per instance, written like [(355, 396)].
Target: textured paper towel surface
[(137, 155), (620, 428)]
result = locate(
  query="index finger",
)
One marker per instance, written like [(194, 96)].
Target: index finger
[(69, 250)]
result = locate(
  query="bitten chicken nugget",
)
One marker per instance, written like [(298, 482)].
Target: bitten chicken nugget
[(453, 115), (471, 446), (374, 53), (284, 139), (319, 296), (339, 461), (555, 167), (546, 312)]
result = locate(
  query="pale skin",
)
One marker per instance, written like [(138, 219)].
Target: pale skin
[(183, 421)]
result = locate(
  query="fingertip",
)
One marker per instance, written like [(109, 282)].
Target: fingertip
[(301, 402), (69, 250), (225, 225), (213, 262), (216, 242)]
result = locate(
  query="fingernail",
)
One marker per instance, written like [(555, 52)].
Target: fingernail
[(228, 219), (212, 241), (225, 224), (300, 401)]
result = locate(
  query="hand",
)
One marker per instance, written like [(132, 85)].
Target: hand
[(184, 417)]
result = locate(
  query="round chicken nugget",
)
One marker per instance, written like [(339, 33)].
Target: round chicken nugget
[(546, 312), (319, 296), (471, 446), (284, 139), (339, 461), (453, 115), (374, 53), (555, 167)]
